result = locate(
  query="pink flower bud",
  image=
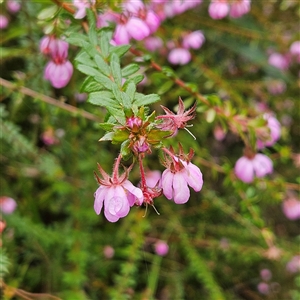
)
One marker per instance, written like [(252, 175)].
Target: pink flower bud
[(193, 40), (134, 122), (161, 248), (7, 205), (218, 9), (247, 168), (179, 56), (109, 252)]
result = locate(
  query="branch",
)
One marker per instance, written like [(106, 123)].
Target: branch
[(49, 100)]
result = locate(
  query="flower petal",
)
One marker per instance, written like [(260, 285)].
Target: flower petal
[(244, 169), (99, 198), (167, 184), (193, 176), (181, 190)]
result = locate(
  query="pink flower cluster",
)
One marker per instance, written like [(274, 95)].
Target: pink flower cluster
[(59, 69), (181, 55), (219, 9)]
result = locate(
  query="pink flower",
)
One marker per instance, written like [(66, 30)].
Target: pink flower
[(173, 122), (152, 21), (193, 40), (239, 8), (179, 56), (58, 74), (278, 61), (275, 132), (121, 36), (247, 168), (161, 248), (265, 274), (293, 266), (3, 22), (291, 208), (153, 178), (263, 288), (153, 43), (117, 194), (109, 252), (13, 6), (180, 174), (137, 28), (276, 87), (218, 9), (295, 50), (81, 6), (7, 205)]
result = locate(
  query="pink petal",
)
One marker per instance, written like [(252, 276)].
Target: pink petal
[(244, 169), (134, 190), (99, 198), (194, 177), (262, 165), (167, 184), (181, 190)]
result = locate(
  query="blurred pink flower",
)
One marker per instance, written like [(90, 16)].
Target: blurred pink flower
[(81, 6), (137, 28), (275, 132), (13, 6), (265, 274), (48, 137), (239, 8), (278, 61), (295, 50), (293, 266), (263, 288), (219, 133), (179, 56), (218, 9), (108, 252), (117, 194), (7, 205), (276, 87), (247, 168), (291, 208), (193, 40), (2, 227), (153, 43), (3, 22), (161, 248)]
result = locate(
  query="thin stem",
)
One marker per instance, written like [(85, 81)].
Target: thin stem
[(142, 171), (49, 100)]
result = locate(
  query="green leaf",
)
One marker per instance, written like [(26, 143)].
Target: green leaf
[(117, 93), (102, 65), (137, 78), (107, 83), (97, 98), (105, 37), (130, 69), (117, 113), (125, 150), (107, 137), (90, 85), (77, 39), (120, 50), (107, 126), (120, 136), (116, 69), (126, 101), (141, 99), (92, 21), (130, 90), (88, 70), (48, 13), (84, 59)]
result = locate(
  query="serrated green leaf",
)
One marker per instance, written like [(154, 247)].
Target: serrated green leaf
[(102, 65), (137, 78), (130, 69), (105, 37), (77, 39), (116, 69), (90, 49), (48, 12), (118, 114), (84, 59), (120, 50), (97, 98), (88, 70), (90, 85), (126, 101), (92, 20), (130, 90), (105, 81), (141, 99)]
